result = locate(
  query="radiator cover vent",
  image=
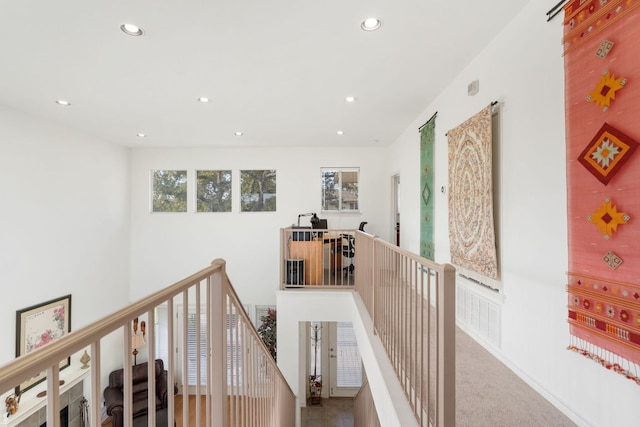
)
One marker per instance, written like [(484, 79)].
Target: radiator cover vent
[(478, 311)]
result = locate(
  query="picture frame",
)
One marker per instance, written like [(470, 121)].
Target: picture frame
[(39, 325)]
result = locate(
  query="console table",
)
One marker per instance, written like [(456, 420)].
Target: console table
[(30, 403)]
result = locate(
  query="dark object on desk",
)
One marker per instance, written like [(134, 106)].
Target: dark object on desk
[(321, 224), (362, 224), (113, 394), (301, 235), (314, 218)]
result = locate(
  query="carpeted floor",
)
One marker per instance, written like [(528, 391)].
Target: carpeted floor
[(490, 394)]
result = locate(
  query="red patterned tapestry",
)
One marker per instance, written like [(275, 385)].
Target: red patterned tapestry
[(602, 102), (471, 229)]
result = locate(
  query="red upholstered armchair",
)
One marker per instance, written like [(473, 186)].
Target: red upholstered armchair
[(113, 394)]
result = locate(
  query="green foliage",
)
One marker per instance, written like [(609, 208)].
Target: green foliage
[(169, 191), (268, 331), (258, 190), (214, 191)]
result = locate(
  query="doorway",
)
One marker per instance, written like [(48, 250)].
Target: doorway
[(334, 359), (395, 197)]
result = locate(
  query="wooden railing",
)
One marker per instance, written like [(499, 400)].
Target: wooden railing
[(412, 303), (410, 299), (240, 383), (364, 408), (317, 257)]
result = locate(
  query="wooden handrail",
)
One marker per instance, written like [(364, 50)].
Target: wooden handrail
[(37, 361), (278, 400)]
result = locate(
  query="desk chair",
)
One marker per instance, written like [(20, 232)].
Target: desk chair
[(349, 251), (321, 224), (362, 224)]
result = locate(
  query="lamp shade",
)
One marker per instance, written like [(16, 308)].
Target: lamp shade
[(137, 341)]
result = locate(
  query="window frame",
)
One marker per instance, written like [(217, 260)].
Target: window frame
[(153, 191), (340, 199), (197, 189)]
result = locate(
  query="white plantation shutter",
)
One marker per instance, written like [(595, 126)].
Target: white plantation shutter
[(192, 342), (349, 365)]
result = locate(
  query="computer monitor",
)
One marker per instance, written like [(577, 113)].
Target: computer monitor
[(321, 224)]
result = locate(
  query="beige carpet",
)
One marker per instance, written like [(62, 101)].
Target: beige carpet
[(490, 394)]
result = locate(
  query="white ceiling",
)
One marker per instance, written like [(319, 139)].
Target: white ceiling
[(278, 70)]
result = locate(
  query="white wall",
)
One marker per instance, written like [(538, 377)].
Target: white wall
[(65, 222), (332, 306), (167, 247), (523, 70)]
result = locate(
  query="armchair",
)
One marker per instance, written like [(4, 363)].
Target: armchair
[(113, 394)]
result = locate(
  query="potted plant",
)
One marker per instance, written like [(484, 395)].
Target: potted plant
[(268, 331)]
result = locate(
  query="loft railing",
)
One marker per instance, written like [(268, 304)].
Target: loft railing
[(410, 299), (317, 257), (239, 384), (364, 408), (412, 303)]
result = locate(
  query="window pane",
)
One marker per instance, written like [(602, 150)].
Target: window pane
[(340, 189), (213, 191), (258, 190), (330, 190), (349, 191), (169, 191)]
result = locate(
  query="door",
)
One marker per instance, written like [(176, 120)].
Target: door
[(345, 363), (395, 188)]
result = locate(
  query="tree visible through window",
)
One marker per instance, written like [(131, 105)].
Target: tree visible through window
[(340, 189), (258, 190), (169, 191), (213, 191)]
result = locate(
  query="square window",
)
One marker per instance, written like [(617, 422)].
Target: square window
[(169, 191), (340, 189), (213, 191)]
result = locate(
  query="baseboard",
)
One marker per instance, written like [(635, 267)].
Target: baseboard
[(561, 406)]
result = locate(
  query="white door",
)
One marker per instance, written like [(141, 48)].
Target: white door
[(345, 364)]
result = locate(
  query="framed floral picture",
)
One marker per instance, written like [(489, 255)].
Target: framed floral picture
[(38, 326)]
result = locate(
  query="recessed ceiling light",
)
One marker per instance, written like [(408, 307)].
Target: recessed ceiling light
[(238, 133), (350, 99), (371, 24), (132, 30), (340, 132), (141, 135), (203, 99), (63, 102)]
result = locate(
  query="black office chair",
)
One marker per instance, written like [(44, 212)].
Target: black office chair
[(362, 224), (349, 251)]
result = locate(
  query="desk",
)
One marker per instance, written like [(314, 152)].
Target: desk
[(335, 250), (311, 252)]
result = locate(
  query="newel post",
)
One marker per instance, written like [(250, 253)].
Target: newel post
[(218, 345)]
